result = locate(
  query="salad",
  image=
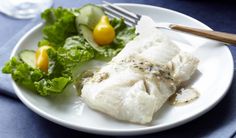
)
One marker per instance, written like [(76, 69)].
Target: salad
[(71, 37)]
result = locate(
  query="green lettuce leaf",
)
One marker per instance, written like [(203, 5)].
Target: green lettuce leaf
[(124, 34), (34, 79), (49, 86), (60, 24), (22, 73), (76, 50)]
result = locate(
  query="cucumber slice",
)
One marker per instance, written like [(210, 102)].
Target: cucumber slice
[(89, 15), (28, 56), (88, 35)]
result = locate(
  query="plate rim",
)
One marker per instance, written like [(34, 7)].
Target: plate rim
[(135, 131)]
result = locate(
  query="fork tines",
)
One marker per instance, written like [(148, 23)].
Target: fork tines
[(114, 11)]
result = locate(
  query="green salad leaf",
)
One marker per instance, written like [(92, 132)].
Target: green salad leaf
[(22, 73), (34, 79), (60, 24), (76, 50), (48, 86), (123, 35)]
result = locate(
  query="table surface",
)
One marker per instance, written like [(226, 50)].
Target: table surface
[(16, 120)]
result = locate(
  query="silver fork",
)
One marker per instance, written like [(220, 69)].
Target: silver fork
[(132, 19)]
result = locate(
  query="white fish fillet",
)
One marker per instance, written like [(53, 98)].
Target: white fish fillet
[(140, 79)]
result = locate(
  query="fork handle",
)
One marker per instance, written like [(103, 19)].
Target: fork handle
[(220, 36)]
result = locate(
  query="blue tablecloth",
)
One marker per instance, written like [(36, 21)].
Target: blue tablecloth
[(17, 121)]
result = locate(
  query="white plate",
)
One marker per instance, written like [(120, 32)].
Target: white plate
[(212, 81)]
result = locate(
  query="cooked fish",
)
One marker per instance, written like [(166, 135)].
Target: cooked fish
[(138, 81)]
